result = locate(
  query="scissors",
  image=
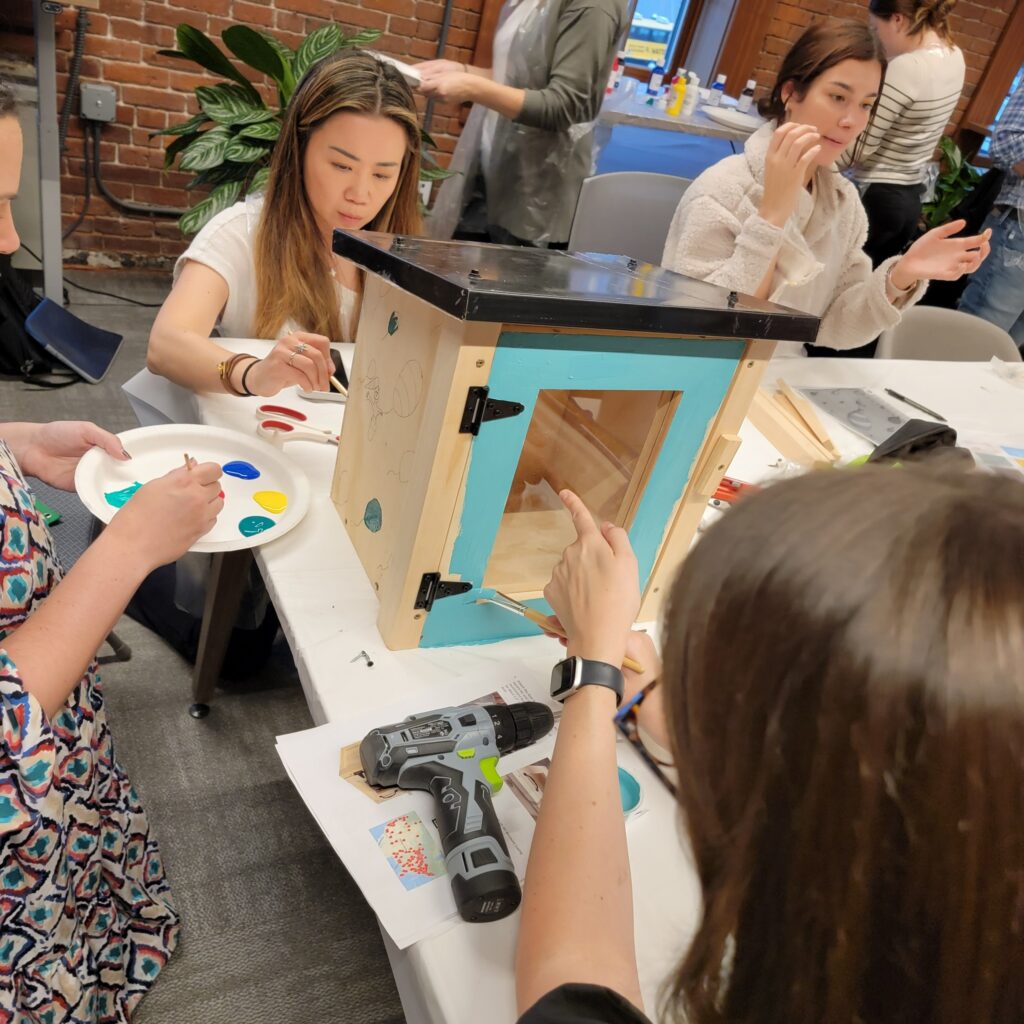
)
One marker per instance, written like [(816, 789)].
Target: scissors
[(279, 423)]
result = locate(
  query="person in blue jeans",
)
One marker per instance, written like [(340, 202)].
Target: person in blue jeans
[(996, 291)]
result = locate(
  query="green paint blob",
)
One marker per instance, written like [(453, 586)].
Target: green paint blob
[(251, 525), (373, 517), (393, 323), (121, 498)]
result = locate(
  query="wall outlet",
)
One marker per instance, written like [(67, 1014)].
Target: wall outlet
[(99, 102), (425, 188)]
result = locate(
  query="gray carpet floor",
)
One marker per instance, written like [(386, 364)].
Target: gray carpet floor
[(274, 929)]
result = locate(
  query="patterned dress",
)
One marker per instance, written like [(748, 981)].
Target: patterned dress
[(86, 919)]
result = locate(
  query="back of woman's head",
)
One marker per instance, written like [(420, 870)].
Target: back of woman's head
[(293, 279), (920, 15), (821, 46), (844, 668)]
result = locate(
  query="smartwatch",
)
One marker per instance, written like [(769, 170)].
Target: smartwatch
[(572, 673)]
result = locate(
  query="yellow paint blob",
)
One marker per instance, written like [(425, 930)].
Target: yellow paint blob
[(273, 501)]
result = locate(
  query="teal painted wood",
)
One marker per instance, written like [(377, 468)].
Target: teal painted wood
[(524, 364)]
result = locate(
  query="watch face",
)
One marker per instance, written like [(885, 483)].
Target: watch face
[(563, 675)]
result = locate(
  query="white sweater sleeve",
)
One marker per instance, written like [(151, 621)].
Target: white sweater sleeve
[(709, 242), (860, 309)]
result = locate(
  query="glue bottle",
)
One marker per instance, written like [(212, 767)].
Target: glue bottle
[(675, 107), (717, 92), (746, 98)]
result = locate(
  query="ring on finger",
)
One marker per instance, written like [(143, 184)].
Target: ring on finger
[(291, 359), (300, 348)]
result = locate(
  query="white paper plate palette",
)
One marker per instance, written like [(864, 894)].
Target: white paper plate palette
[(733, 118), (265, 495)]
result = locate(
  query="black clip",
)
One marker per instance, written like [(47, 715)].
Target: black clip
[(433, 588), (481, 409)]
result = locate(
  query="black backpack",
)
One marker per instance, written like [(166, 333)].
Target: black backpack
[(21, 358)]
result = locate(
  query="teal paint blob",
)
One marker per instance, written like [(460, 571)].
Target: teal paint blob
[(121, 498), (393, 324), (241, 470), (373, 517), (629, 791), (251, 525)]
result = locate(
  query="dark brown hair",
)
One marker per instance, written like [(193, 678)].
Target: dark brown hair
[(920, 14), (293, 277), (844, 672), (821, 46), (7, 101)]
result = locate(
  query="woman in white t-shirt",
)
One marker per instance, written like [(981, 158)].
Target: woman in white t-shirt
[(348, 157)]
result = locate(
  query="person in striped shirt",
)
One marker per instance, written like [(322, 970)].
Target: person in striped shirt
[(997, 294)]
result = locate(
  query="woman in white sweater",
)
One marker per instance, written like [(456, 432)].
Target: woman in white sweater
[(779, 222)]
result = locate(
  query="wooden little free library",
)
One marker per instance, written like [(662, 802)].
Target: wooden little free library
[(488, 378)]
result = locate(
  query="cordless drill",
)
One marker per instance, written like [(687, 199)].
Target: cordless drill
[(453, 753)]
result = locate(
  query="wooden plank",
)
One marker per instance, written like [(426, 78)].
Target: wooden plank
[(783, 433), (807, 413), (690, 509)]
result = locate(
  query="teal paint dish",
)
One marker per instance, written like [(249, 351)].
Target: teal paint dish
[(629, 792), (241, 470), (252, 525), (373, 516), (121, 498), (700, 370)]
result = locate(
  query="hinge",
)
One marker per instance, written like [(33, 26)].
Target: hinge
[(480, 409), (433, 588)]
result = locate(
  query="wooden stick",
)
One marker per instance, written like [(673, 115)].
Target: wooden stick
[(807, 414), (188, 462), (338, 386)]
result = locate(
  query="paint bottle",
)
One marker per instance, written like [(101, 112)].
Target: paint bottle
[(675, 108), (620, 67), (692, 94), (746, 98), (657, 77), (661, 103), (717, 92), (613, 77)]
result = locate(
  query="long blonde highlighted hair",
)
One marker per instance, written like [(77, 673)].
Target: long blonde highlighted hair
[(293, 278)]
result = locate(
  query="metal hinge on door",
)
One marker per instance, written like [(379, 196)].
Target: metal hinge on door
[(433, 588), (481, 409)]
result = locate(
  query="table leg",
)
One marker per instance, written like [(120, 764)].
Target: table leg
[(229, 573)]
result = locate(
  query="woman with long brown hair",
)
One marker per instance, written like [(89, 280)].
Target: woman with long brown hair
[(348, 157), (843, 698), (779, 222)]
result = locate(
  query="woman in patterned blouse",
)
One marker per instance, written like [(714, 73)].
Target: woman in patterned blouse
[(86, 920)]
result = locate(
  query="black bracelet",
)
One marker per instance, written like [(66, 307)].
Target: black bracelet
[(245, 373)]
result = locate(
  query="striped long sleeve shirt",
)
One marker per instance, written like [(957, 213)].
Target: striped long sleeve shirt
[(918, 98)]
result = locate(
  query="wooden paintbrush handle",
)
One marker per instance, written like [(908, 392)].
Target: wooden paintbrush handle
[(539, 619)]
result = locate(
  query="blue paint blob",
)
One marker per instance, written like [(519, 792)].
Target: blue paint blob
[(373, 517), (251, 525), (393, 323), (121, 498), (241, 470), (629, 791)]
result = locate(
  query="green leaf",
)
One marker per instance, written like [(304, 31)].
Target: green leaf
[(322, 43), (436, 173), (185, 128), (268, 130), (228, 104), (363, 38), (197, 47), (257, 51), (226, 171), (259, 181), (176, 146), (207, 151), (241, 152), (217, 201)]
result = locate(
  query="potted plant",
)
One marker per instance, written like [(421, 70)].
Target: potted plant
[(227, 145), (956, 179)]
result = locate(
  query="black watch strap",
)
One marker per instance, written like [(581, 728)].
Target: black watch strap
[(573, 673)]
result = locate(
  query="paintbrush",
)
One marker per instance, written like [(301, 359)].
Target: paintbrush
[(188, 462), (338, 386), (510, 604)]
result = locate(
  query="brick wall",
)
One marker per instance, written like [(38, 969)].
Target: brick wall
[(154, 92), (976, 26)]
